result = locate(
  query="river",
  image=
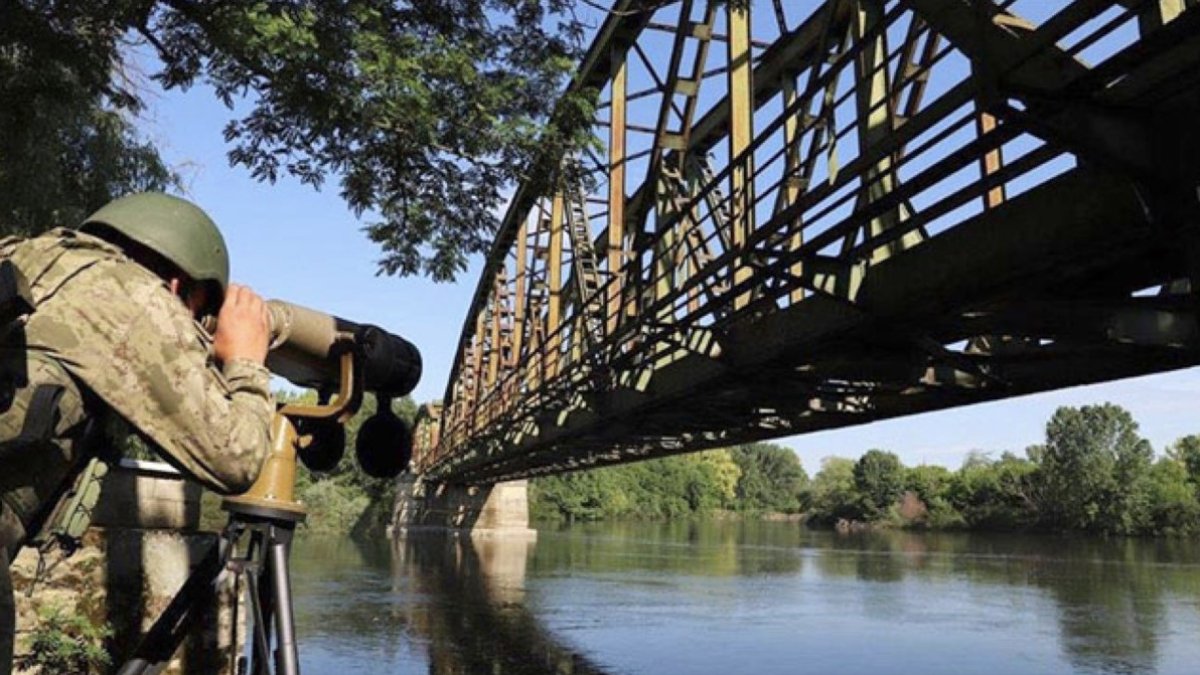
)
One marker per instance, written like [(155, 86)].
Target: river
[(755, 597)]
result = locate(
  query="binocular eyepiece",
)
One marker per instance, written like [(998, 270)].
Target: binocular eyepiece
[(307, 347)]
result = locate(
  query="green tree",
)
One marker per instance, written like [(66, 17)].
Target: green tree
[(669, 487), (1186, 451), (581, 495), (1174, 507), (928, 481), (995, 494), (832, 493), (879, 479), (724, 473), (68, 145), (931, 484), (772, 478), (1095, 470), (423, 112)]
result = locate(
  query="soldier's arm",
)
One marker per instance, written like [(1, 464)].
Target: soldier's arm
[(211, 421)]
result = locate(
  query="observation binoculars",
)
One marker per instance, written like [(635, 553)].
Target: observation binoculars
[(341, 360)]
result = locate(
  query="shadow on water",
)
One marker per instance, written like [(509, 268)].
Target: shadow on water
[(476, 620), (449, 606)]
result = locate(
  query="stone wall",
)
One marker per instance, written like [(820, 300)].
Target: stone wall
[(141, 548)]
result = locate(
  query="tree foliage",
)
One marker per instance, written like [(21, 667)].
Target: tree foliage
[(879, 479), (772, 478), (422, 111), (995, 494), (1096, 467), (1186, 451), (67, 143), (833, 495), (1093, 473), (758, 477)]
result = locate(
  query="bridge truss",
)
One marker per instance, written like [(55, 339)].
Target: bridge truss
[(806, 215)]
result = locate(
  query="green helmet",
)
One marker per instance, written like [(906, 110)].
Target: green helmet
[(175, 228)]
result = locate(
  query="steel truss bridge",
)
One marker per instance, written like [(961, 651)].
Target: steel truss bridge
[(802, 215)]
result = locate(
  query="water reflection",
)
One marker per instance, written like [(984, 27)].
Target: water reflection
[(741, 597), (473, 617), (427, 604), (694, 548), (1109, 594)]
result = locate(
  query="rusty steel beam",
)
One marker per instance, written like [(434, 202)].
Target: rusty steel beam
[(961, 208)]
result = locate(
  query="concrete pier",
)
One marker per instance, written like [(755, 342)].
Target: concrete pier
[(500, 510), (142, 545)]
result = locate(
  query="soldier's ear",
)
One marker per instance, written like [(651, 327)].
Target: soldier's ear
[(193, 295)]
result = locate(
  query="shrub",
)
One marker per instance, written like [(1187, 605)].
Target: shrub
[(65, 642)]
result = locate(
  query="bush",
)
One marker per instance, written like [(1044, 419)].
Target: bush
[(65, 642)]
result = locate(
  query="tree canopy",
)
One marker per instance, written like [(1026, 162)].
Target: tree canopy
[(422, 111), (1095, 465), (66, 143), (758, 477), (879, 477)]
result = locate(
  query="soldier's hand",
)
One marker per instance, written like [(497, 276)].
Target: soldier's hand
[(243, 326)]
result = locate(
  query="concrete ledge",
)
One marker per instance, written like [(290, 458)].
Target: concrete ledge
[(147, 496)]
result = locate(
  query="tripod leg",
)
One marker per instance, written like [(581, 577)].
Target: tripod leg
[(262, 651), (287, 657)]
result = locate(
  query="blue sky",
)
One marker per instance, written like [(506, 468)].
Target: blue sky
[(288, 241)]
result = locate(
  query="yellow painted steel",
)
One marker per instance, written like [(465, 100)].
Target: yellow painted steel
[(553, 350), (741, 132), (616, 190)]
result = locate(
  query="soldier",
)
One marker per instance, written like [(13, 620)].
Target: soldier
[(109, 325)]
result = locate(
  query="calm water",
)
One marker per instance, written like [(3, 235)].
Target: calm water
[(760, 598)]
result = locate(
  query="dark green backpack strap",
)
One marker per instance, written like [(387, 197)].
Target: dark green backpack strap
[(42, 415)]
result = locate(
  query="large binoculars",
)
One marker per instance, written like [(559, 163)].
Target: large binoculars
[(341, 360)]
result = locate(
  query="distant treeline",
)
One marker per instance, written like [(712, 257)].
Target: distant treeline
[(758, 477), (1093, 473)]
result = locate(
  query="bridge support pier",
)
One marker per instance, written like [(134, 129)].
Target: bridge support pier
[(497, 511)]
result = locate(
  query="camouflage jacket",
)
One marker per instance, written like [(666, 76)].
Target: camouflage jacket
[(117, 328)]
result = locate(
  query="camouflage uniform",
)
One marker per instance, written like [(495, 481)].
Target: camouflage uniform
[(116, 339), (117, 329)]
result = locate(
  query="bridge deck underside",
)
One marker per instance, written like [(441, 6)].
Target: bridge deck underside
[(1081, 276)]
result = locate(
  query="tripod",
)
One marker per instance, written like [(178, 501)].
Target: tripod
[(268, 512), (263, 567)]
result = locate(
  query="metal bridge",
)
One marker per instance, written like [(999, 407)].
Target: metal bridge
[(802, 215)]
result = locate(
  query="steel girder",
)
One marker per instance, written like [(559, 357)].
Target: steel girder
[(803, 222)]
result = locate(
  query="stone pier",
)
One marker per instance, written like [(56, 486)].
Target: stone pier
[(500, 510), (142, 545)]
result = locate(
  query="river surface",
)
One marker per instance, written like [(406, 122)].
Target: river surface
[(758, 597)]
